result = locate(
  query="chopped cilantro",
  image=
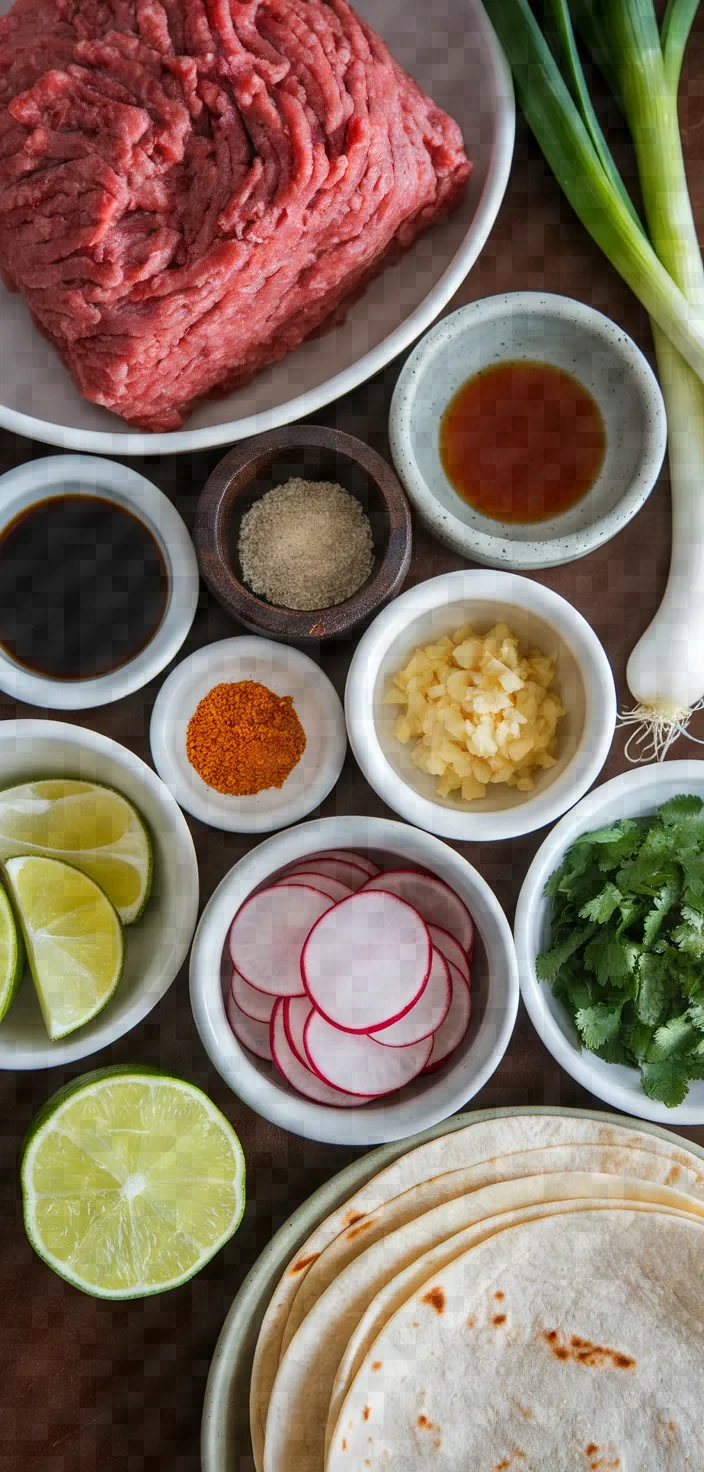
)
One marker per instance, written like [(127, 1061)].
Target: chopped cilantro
[(627, 948)]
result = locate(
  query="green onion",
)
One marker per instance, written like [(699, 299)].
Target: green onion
[(642, 64)]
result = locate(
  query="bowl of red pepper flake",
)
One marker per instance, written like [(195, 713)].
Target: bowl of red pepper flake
[(249, 735)]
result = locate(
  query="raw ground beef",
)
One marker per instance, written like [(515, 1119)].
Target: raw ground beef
[(188, 188)]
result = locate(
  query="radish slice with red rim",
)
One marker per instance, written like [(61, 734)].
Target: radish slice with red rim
[(296, 1011), (427, 1015), (333, 888), (348, 856), (250, 1033), (366, 961), (298, 1075), (354, 1061), (450, 1034), (345, 870), (432, 898), (450, 949), (255, 1004), (268, 933)]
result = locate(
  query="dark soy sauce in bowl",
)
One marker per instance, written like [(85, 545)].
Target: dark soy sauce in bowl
[(83, 587)]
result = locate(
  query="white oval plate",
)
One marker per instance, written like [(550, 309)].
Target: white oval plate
[(451, 50)]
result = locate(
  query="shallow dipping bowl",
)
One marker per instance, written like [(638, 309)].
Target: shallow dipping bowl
[(530, 326)]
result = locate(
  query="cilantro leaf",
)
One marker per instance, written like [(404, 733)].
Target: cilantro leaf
[(664, 900), (602, 906), (652, 995), (599, 1024), (665, 1081), (696, 1015), (611, 958), (549, 962), (689, 935), (672, 1039), (684, 806)]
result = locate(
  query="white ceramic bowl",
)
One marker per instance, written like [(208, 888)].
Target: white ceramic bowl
[(568, 335), (285, 671), (635, 794), (87, 475), (157, 945), (539, 617), (453, 53), (422, 1103)]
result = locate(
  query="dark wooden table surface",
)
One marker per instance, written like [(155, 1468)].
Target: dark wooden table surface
[(92, 1387)]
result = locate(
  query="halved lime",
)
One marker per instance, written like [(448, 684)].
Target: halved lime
[(74, 940), (11, 955), (131, 1181), (87, 825)]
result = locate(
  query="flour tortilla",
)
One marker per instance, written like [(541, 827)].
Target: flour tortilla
[(484, 1140), (634, 1164), (300, 1399), (595, 1359)]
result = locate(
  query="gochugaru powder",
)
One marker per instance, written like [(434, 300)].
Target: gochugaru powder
[(306, 544), (242, 738)]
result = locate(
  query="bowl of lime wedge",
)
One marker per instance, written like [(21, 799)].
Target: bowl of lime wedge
[(98, 892)]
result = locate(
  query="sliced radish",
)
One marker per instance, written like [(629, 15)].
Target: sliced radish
[(427, 1015), (255, 1004), (354, 1061), (354, 875), (296, 1011), (450, 1034), (349, 856), (252, 1034), (268, 933), (333, 888), (301, 1078), (450, 949), (366, 961), (432, 898)]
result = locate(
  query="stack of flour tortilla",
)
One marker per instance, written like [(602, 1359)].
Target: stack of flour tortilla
[(523, 1293)]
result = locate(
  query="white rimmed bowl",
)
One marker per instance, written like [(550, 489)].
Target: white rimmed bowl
[(157, 945), (568, 335), (87, 475), (425, 1101), (452, 51), (539, 617), (285, 671), (635, 794)]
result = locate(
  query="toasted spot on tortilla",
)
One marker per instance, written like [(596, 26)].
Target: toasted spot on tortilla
[(500, 1296), (499, 1319), (424, 1423), (584, 1352), (304, 1262), (435, 1298), (471, 1321), (673, 1175), (357, 1231), (525, 1411), (351, 1218), (592, 1449), (376, 1364), (510, 1460), (344, 1445), (366, 1413)]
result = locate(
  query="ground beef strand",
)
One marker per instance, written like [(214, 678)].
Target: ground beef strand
[(188, 188)]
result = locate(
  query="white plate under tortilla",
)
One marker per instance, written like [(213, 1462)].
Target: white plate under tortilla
[(225, 1439), (451, 50)]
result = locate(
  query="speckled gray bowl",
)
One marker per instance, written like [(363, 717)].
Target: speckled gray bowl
[(553, 329)]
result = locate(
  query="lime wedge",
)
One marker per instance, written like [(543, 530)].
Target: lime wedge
[(74, 940), (92, 827), (131, 1181), (11, 955)]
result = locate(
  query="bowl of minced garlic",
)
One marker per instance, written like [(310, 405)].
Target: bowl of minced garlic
[(303, 533)]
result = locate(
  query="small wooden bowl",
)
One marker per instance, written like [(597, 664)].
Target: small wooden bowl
[(251, 469)]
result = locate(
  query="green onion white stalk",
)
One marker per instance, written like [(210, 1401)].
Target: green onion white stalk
[(642, 64)]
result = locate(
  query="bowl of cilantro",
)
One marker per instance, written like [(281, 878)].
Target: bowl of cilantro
[(610, 940)]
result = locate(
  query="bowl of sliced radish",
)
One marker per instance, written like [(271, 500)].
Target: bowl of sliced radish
[(354, 980)]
